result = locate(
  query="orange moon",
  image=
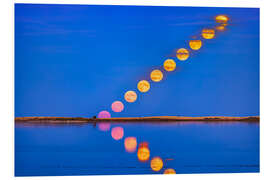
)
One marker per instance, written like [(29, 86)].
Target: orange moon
[(143, 153), (222, 19), (169, 171), (156, 164), (143, 86), (169, 65), (156, 75), (182, 54), (130, 144), (195, 44), (130, 96), (208, 33)]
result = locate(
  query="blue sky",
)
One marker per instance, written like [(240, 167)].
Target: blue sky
[(75, 60)]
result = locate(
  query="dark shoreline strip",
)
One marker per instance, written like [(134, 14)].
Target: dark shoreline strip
[(80, 120)]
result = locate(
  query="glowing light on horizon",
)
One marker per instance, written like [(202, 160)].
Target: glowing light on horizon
[(143, 86), (156, 75), (104, 126), (208, 33), (156, 164), (222, 19), (130, 96), (130, 144), (182, 54), (104, 114), (169, 65), (117, 133), (117, 106), (169, 171), (195, 44)]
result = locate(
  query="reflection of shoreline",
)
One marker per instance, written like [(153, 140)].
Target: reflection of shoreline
[(72, 120)]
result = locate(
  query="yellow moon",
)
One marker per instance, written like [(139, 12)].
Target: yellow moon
[(169, 65), (156, 75), (169, 171), (156, 164), (222, 19), (195, 44), (208, 33), (182, 54), (130, 96), (143, 86)]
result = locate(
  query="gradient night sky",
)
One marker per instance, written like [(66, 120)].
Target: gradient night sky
[(75, 60)]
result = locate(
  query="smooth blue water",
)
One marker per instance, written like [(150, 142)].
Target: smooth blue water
[(52, 150)]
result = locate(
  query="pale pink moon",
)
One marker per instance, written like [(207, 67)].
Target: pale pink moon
[(104, 126), (104, 114), (117, 133), (117, 106)]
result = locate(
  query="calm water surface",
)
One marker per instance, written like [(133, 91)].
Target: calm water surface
[(93, 149)]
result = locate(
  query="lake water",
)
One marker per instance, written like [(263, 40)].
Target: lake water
[(105, 149)]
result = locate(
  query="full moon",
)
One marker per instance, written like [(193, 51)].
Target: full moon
[(143, 153), (130, 96), (156, 164), (182, 54), (143, 86), (104, 114), (208, 33), (117, 133), (222, 19), (169, 65), (117, 106), (130, 144), (195, 44), (104, 126), (156, 75)]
